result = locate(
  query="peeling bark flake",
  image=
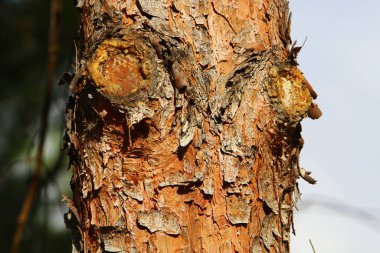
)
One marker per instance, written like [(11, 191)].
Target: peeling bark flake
[(269, 231), (156, 8), (159, 221), (133, 192), (238, 210), (188, 135), (231, 168)]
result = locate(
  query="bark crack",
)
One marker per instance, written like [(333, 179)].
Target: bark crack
[(223, 16)]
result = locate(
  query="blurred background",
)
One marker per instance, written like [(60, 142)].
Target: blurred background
[(23, 64), (340, 58)]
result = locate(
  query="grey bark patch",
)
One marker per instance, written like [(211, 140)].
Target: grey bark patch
[(109, 247), (113, 242), (187, 134), (232, 105), (231, 169), (149, 189), (94, 163), (179, 179), (79, 4), (154, 8), (266, 191), (137, 113), (201, 165), (208, 185), (133, 192), (159, 221), (238, 211), (163, 87), (286, 210), (232, 142), (269, 230)]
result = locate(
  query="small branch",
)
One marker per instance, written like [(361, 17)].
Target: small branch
[(306, 176), (34, 186), (312, 246)]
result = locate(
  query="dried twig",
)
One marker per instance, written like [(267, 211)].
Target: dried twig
[(34, 186), (312, 246), (306, 176)]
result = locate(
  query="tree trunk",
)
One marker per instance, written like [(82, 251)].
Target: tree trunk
[(184, 127)]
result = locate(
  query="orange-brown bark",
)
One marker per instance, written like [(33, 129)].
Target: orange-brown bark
[(184, 127)]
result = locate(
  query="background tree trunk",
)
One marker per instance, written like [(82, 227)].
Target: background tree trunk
[(183, 128)]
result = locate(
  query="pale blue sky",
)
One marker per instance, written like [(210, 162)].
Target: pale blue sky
[(341, 60)]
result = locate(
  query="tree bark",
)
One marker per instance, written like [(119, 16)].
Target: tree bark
[(183, 128)]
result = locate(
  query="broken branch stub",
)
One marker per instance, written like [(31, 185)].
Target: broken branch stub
[(123, 69), (288, 90)]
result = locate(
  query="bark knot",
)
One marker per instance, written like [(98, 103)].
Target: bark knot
[(120, 67), (288, 90)]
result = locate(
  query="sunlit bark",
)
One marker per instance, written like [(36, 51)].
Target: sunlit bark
[(184, 127)]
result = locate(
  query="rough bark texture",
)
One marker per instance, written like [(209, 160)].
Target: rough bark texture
[(184, 127)]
